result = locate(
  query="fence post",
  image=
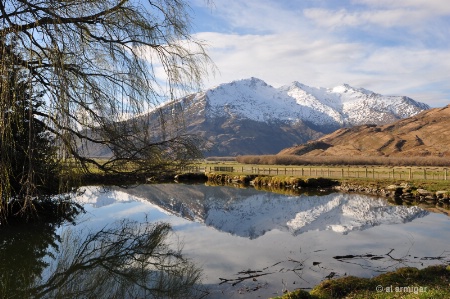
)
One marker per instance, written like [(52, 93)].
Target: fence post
[(410, 174), (445, 174), (366, 172), (393, 173), (424, 173), (342, 172)]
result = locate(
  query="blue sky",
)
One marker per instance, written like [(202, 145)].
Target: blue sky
[(390, 47)]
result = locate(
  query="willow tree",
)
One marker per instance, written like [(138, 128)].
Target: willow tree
[(99, 66)]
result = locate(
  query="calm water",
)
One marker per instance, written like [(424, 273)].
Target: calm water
[(255, 244)]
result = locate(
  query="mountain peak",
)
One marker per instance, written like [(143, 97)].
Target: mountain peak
[(248, 116), (251, 82), (346, 88)]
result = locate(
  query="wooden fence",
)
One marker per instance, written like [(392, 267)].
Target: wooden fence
[(407, 173)]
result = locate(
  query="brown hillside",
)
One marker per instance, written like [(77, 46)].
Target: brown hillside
[(425, 134)]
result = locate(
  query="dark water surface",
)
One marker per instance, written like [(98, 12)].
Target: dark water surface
[(249, 243)]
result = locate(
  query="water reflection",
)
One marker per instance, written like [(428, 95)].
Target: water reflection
[(246, 242), (22, 252), (250, 213), (125, 259), (273, 245)]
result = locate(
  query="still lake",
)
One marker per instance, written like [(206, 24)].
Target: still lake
[(256, 244)]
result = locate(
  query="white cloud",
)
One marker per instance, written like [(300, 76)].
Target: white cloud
[(277, 58), (433, 7), (257, 16), (392, 47), (383, 18), (282, 58)]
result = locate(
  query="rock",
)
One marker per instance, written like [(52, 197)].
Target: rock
[(405, 185), (407, 195), (393, 187), (424, 192), (442, 194), (430, 199)]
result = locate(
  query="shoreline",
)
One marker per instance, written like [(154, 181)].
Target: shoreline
[(395, 191)]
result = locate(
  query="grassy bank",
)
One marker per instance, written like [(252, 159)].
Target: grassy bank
[(431, 282), (314, 182)]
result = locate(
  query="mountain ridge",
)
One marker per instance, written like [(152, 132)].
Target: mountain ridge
[(249, 116), (422, 135)]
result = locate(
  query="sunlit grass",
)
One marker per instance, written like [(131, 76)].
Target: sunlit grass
[(430, 282)]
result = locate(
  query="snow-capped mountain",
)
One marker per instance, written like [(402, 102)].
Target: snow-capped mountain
[(336, 107), (251, 117)]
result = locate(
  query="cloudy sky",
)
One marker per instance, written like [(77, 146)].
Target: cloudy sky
[(390, 47)]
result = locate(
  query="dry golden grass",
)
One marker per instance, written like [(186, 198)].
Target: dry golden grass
[(424, 136), (342, 160)]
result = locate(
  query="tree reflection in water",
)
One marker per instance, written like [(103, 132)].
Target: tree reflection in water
[(125, 260), (22, 252)]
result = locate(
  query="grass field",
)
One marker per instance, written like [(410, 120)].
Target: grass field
[(429, 178), (332, 171)]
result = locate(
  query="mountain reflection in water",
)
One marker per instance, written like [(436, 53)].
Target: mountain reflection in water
[(250, 213), (255, 244), (248, 243)]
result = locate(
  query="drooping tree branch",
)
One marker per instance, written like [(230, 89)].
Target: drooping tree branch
[(100, 66)]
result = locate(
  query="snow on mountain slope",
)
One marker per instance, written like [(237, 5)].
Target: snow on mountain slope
[(250, 117), (330, 108), (254, 216), (251, 98)]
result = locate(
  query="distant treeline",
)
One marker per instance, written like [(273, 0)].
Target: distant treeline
[(221, 159), (340, 160)]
